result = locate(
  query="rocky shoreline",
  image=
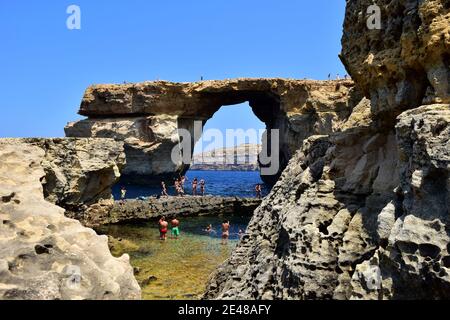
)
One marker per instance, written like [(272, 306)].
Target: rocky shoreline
[(116, 212)]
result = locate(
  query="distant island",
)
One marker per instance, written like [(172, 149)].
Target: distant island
[(239, 158)]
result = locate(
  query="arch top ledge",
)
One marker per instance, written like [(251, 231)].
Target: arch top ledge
[(195, 98)]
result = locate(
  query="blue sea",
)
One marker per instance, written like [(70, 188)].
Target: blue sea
[(218, 183)]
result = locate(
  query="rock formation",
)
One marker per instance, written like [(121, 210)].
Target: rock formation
[(243, 157), (43, 254), (364, 213), (78, 172), (147, 116), (112, 212), (404, 64)]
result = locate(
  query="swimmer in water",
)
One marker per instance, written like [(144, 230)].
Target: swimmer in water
[(209, 229)]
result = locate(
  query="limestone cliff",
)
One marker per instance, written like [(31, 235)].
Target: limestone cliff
[(364, 213), (43, 254), (243, 157), (146, 116)]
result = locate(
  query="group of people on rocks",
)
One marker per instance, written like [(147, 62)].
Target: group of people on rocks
[(175, 229), (180, 187)]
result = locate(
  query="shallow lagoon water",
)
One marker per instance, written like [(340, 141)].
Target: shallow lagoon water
[(176, 268)]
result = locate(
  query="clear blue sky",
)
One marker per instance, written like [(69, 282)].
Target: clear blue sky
[(45, 67)]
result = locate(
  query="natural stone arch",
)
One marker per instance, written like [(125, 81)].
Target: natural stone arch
[(265, 106), (147, 116)]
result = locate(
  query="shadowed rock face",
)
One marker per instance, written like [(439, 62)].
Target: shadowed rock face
[(43, 254), (147, 116), (364, 213)]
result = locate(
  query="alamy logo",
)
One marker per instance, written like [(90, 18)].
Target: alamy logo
[(269, 157), (374, 17), (73, 22), (373, 278), (73, 281)]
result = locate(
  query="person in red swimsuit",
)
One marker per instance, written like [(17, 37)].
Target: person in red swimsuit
[(163, 228)]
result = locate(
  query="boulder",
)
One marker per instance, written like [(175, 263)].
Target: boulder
[(77, 171), (43, 254)]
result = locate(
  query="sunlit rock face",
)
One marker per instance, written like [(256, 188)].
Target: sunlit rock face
[(43, 254), (78, 172), (364, 213), (407, 62), (147, 116)]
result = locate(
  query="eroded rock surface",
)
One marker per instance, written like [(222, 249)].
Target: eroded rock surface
[(77, 171), (364, 213), (43, 254), (357, 215), (147, 116), (406, 63)]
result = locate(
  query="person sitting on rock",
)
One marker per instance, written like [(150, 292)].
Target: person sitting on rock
[(164, 189), (163, 225), (202, 187), (175, 227), (194, 186)]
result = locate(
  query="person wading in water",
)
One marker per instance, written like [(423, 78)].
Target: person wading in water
[(175, 227), (225, 231), (163, 225)]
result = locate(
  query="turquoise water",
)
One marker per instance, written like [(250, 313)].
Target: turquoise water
[(218, 183), (175, 268)]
